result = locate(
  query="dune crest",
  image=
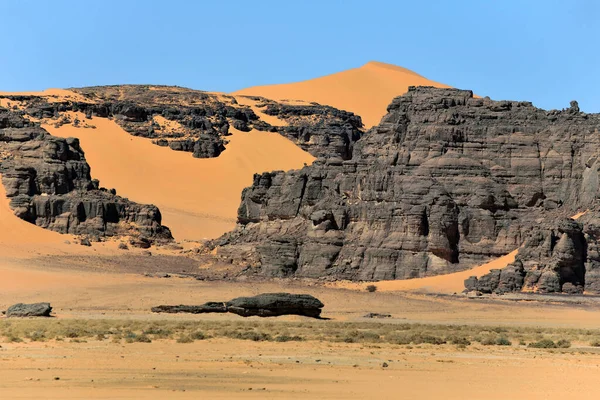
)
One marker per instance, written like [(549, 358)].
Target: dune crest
[(366, 91)]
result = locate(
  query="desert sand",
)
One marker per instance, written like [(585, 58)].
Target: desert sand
[(231, 369), (366, 91), (228, 369), (198, 198)]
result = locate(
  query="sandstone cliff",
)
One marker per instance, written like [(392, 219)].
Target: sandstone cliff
[(445, 181), (199, 122), (48, 183)]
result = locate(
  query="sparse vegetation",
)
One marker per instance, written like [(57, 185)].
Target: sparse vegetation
[(371, 288), (370, 333)]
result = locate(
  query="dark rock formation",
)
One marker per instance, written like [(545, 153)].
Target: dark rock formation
[(559, 256), (210, 307), (322, 131), (48, 183), (262, 305), (377, 315), (274, 304), (445, 182), (198, 122), (29, 310)]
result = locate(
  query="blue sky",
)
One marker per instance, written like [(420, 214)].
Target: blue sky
[(541, 51)]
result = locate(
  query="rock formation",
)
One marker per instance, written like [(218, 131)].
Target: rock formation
[(446, 181), (559, 256), (199, 122), (29, 310), (48, 183), (322, 131), (262, 305)]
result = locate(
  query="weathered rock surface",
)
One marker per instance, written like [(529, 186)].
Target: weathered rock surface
[(445, 182), (274, 304), (322, 131), (210, 307), (48, 183), (559, 256), (29, 310), (262, 305), (199, 122)]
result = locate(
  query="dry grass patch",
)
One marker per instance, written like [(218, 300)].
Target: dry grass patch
[(370, 333)]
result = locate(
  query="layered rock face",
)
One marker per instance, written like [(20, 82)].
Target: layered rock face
[(445, 181), (322, 131), (199, 122), (558, 256), (48, 183)]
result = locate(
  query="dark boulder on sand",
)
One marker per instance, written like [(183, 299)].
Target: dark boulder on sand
[(29, 310)]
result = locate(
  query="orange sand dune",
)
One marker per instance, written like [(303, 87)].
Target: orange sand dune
[(366, 91), (197, 197)]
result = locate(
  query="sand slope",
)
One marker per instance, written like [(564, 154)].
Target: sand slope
[(197, 197), (366, 91)]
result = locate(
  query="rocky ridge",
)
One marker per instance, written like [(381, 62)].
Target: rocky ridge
[(198, 122), (445, 182), (48, 183)]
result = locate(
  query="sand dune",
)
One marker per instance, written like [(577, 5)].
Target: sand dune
[(366, 91), (197, 197)]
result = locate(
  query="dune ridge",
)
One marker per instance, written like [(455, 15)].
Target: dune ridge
[(365, 91)]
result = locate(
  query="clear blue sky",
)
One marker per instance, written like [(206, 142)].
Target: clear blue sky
[(545, 51)]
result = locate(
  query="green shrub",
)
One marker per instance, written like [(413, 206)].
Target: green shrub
[(458, 340), (503, 341), (563, 344), (248, 335), (543, 344), (286, 338), (595, 343), (198, 335), (143, 339), (37, 336), (184, 339), (488, 341)]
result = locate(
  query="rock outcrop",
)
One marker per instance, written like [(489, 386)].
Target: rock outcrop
[(48, 183), (29, 310), (199, 122), (445, 182), (322, 131), (262, 305), (557, 257)]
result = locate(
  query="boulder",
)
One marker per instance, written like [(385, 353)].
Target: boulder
[(210, 307), (29, 310), (275, 304), (262, 305)]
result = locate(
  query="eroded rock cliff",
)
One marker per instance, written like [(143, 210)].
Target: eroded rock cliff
[(445, 181), (198, 122), (48, 183)]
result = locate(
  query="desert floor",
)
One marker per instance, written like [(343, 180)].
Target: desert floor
[(232, 368)]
